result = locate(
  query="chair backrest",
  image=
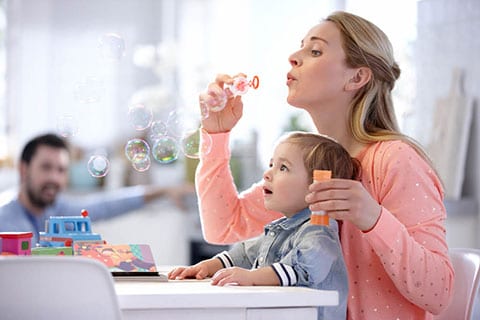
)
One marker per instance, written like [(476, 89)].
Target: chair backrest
[(56, 287), (466, 263)]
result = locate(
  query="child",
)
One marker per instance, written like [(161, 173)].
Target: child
[(292, 251)]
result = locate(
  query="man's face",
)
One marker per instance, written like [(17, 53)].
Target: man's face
[(45, 176)]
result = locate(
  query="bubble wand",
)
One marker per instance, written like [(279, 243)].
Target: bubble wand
[(217, 103), (240, 85)]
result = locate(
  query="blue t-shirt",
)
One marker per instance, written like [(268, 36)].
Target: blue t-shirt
[(15, 218), (301, 254)]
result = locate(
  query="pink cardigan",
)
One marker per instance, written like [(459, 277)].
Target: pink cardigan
[(397, 270)]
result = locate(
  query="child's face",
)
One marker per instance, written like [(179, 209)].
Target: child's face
[(286, 181)]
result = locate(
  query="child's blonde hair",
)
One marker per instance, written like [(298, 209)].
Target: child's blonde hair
[(323, 153)]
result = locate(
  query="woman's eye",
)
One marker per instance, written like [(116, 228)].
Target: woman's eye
[(316, 53)]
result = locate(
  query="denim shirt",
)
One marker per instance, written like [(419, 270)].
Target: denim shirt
[(301, 254)]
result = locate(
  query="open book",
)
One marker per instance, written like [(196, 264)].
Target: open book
[(125, 261)]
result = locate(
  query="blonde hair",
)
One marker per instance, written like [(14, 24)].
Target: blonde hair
[(323, 153), (372, 115)]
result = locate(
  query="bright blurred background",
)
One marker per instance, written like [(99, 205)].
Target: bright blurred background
[(78, 67)]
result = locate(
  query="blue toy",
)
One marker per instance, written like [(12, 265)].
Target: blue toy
[(62, 231)]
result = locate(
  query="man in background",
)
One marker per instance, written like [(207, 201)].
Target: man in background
[(44, 170)]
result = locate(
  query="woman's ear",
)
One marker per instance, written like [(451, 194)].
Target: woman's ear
[(359, 78)]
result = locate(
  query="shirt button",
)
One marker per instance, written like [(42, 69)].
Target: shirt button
[(272, 233), (260, 259)]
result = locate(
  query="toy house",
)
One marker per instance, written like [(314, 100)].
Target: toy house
[(17, 243)]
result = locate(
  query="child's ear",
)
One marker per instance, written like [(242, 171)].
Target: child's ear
[(358, 78)]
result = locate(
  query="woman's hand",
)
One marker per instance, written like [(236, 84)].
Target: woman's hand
[(225, 119), (345, 199)]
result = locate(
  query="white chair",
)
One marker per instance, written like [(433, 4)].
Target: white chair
[(466, 263), (54, 287)]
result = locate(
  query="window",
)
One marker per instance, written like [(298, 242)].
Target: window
[(25, 245)]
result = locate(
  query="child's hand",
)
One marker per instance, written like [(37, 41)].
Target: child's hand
[(233, 276), (193, 272), (199, 271)]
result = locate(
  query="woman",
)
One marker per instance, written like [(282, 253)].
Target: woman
[(392, 227)]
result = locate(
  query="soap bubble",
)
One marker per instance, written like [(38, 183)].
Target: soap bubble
[(141, 164), (89, 90), (206, 144), (98, 166), (157, 129), (165, 150), (136, 150), (174, 123), (112, 46), (204, 110), (191, 147), (215, 102), (140, 116), (182, 121), (67, 125)]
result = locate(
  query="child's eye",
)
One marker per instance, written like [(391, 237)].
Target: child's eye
[(283, 168), (316, 53)]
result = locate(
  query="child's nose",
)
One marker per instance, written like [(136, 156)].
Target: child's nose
[(266, 175)]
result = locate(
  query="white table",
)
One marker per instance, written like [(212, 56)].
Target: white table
[(199, 300)]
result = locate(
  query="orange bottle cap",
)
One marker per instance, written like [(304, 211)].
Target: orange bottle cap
[(320, 175), (319, 219)]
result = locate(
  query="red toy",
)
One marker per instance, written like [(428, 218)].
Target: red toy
[(16, 243)]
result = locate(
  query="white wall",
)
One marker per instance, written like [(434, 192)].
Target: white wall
[(53, 46), (447, 39)]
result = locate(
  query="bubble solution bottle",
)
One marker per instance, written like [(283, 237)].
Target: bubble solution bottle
[(320, 217)]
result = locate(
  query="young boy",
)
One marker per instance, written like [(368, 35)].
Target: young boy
[(292, 251)]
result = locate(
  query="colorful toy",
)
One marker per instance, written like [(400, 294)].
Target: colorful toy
[(16, 243), (72, 235), (210, 102), (52, 251), (62, 231), (118, 257)]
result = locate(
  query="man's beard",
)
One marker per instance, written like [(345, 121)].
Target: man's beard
[(36, 199)]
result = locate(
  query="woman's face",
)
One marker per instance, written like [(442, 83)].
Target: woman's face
[(319, 72)]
